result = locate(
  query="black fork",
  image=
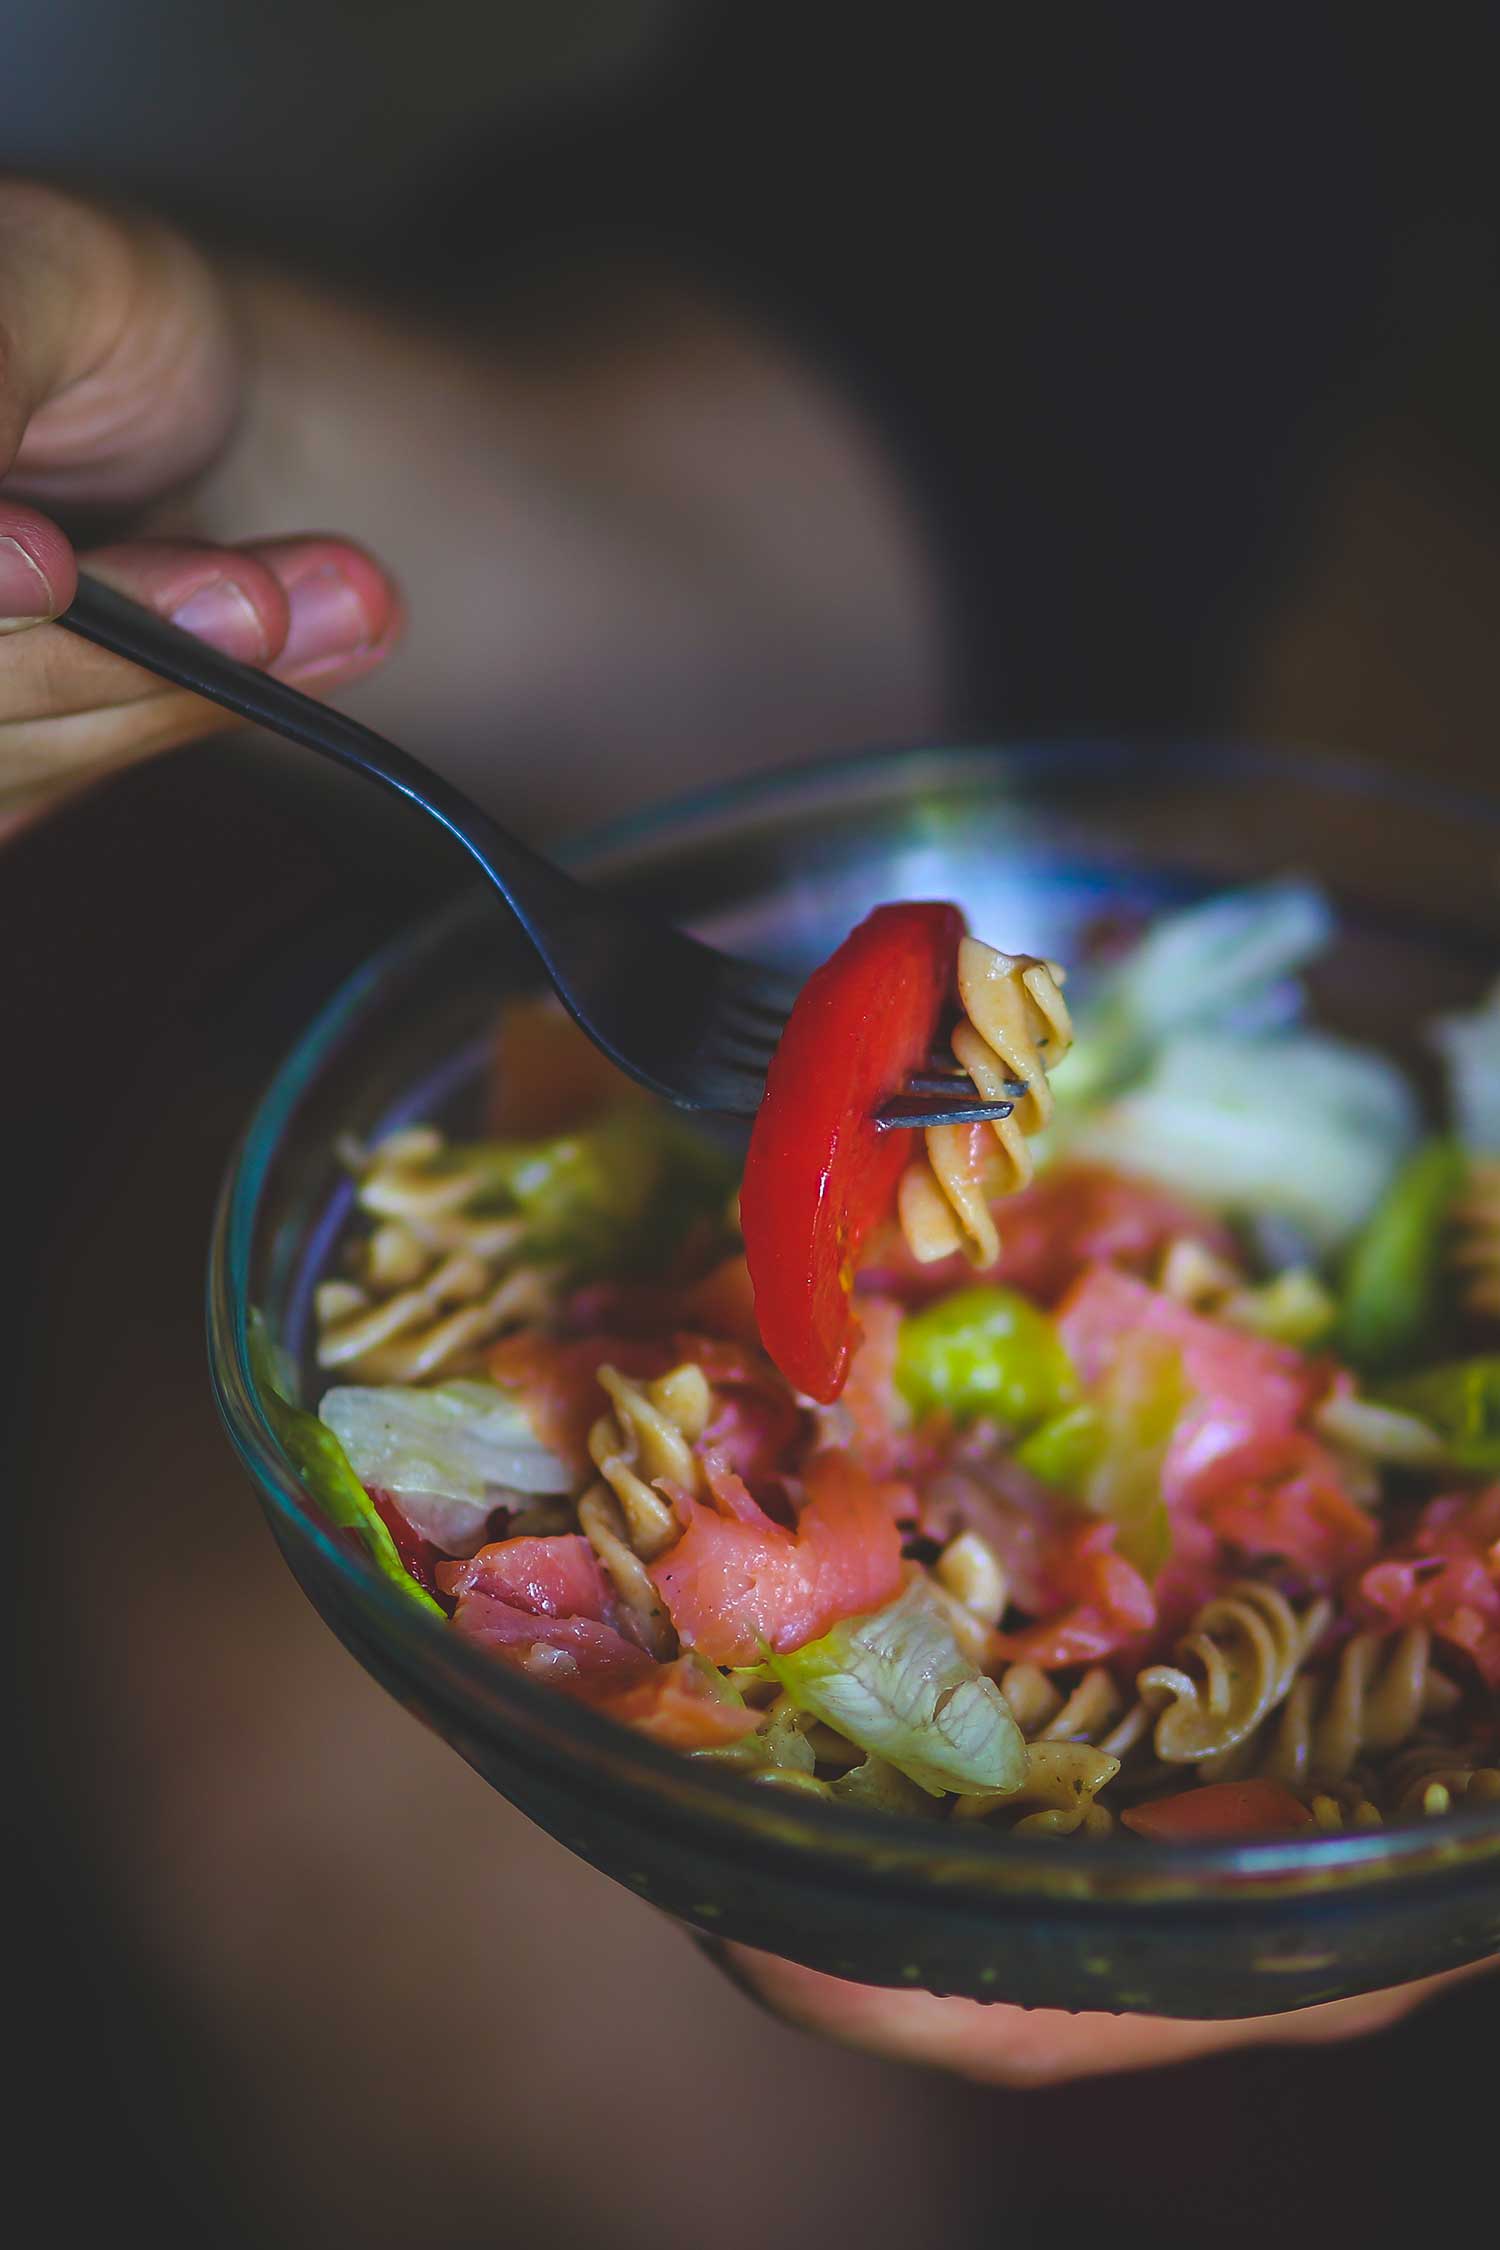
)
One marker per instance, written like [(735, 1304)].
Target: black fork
[(696, 1026)]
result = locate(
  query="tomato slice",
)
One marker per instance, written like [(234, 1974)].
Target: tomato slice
[(1222, 1809), (819, 1176)]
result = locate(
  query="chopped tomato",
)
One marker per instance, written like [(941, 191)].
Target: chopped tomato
[(1223, 1809), (737, 1582), (676, 1704), (819, 1175)]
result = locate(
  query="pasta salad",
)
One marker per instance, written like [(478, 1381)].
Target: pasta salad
[(1124, 1464)]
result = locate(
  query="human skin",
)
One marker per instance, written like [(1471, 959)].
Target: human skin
[(141, 388), (994, 2044), (121, 380)]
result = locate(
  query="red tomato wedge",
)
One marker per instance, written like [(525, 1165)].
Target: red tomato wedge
[(819, 1176), (1224, 1809)]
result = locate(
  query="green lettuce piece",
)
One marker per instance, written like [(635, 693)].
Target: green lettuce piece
[(320, 1461), (984, 1351), (1108, 1452), (781, 1745), (609, 1198), (1305, 1127), (1470, 1047), (1228, 956), (1391, 1281), (457, 1440), (1461, 1401), (881, 1787), (897, 1684)]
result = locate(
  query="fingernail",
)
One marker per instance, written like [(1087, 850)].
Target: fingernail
[(224, 614), (25, 596), (329, 623)]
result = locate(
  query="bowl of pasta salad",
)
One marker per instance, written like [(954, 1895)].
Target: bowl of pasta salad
[(1051, 1555)]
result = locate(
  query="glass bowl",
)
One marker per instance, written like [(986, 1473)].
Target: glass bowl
[(1034, 843)]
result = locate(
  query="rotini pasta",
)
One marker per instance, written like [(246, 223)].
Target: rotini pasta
[(1476, 1250), (1014, 1028), (1076, 1741), (433, 1282), (1380, 1691), (649, 1437), (1245, 1648)]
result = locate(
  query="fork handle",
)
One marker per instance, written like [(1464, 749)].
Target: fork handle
[(537, 891)]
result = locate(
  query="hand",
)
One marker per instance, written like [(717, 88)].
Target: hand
[(120, 381), (998, 2045)]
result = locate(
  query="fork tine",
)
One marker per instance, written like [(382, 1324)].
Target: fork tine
[(905, 1113)]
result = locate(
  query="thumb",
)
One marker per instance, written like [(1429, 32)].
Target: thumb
[(38, 574)]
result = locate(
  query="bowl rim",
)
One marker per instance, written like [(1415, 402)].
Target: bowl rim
[(968, 1859)]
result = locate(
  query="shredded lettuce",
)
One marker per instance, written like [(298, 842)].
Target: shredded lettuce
[(1461, 1401), (608, 1198), (1305, 1126), (1470, 1047), (1223, 964), (881, 1787), (1107, 1452), (779, 1746), (1393, 1275), (320, 1461), (451, 1454), (898, 1684)]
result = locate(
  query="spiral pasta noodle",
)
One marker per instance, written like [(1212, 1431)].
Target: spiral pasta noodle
[(1076, 1740), (1476, 1216), (433, 1281), (1245, 1648), (648, 1434), (1380, 1691), (1014, 1027)]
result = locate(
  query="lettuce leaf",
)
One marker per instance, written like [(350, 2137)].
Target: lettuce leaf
[(1108, 1452), (1307, 1127), (1395, 1267), (1470, 1047), (451, 1454), (1461, 1401), (319, 1459), (896, 1683), (1229, 958), (608, 1198)]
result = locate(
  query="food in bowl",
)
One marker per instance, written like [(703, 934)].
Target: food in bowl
[(1153, 1494)]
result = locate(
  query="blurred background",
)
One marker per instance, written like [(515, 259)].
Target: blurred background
[(737, 383)]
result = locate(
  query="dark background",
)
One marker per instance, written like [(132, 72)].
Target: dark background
[(1182, 342)]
